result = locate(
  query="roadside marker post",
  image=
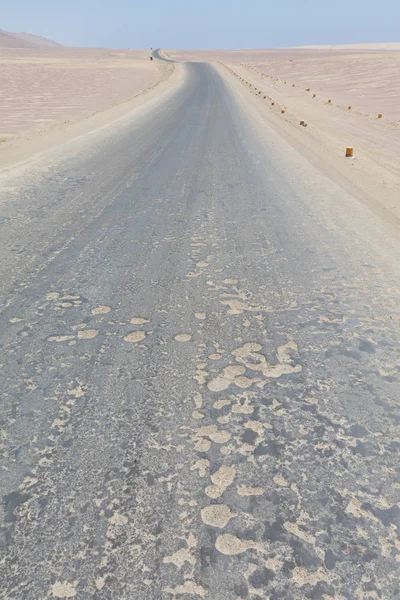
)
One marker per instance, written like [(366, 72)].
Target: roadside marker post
[(349, 152)]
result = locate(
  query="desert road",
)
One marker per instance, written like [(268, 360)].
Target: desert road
[(157, 54), (199, 368)]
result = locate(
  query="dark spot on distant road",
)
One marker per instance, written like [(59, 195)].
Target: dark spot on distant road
[(366, 346), (72, 521), (303, 557), (369, 586), (365, 449), (321, 590), (157, 529), (350, 354), (270, 448), (67, 443), (280, 595), (11, 502), (324, 538), (150, 479), (319, 430), (207, 556), (369, 555), (275, 498), (330, 560), (357, 431), (249, 436), (275, 531), (288, 567), (241, 590), (387, 516), (261, 577)]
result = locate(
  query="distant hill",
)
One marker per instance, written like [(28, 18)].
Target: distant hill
[(24, 40)]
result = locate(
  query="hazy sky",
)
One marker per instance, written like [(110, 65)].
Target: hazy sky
[(206, 23)]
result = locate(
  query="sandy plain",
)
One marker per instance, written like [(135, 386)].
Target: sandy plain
[(46, 88)]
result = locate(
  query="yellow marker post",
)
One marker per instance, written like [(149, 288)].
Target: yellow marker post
[(349, 152)]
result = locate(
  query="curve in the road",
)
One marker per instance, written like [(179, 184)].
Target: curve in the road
[(156, 54)]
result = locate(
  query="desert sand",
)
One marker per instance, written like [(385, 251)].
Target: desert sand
[(45, 88), (370, 46), (366, 78)]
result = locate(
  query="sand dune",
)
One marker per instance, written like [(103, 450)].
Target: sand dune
[(24, 40)]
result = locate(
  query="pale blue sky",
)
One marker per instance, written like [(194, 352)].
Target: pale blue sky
[(204, 24)]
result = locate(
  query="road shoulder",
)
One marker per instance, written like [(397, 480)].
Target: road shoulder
[(375, 184)]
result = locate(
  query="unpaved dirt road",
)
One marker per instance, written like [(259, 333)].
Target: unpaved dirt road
[(199, 369)]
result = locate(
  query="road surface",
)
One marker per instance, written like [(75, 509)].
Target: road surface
[(199, 369), (157, 54)]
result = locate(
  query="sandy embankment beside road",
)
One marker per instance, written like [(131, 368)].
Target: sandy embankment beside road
[(367, 78), (44, 91)]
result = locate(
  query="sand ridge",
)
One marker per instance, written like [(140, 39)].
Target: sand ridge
[(25, 40)]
